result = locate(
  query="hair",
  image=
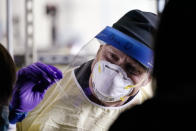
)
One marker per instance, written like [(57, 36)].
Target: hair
[(7, 74)]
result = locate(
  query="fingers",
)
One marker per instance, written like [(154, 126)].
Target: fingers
[(32, 73), (49, 75), (58, 73), (51, 71), (41, 74), (32, 83), (26, 74)]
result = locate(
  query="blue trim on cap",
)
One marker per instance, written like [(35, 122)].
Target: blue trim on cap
[(128, 45)]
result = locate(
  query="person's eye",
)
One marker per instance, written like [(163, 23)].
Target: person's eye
[(112, 57), (132, 70)]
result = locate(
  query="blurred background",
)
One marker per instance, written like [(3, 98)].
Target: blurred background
[(53, 31)]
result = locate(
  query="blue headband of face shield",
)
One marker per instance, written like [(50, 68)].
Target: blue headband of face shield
[(128, 45)]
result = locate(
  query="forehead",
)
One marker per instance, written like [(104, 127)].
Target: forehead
[(107, 49)]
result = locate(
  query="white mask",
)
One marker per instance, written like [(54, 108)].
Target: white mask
[(110, 82)]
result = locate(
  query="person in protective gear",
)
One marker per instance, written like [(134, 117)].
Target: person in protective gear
[(92, 95), (29, 89)]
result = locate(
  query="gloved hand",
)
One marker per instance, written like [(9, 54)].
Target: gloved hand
[(31, 85)]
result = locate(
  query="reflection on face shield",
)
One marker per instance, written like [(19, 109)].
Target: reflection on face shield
[(110, 82)]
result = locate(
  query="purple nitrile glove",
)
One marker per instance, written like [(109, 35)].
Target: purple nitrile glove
[(31, 85)]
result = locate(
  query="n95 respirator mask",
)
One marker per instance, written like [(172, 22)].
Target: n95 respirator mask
[(110, 82)]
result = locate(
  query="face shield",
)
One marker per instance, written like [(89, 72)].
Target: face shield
[(133, 48), (116, 78)]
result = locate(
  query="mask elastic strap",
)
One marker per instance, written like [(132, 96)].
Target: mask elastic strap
[(138, 84), (99, 66), (132, 86)]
